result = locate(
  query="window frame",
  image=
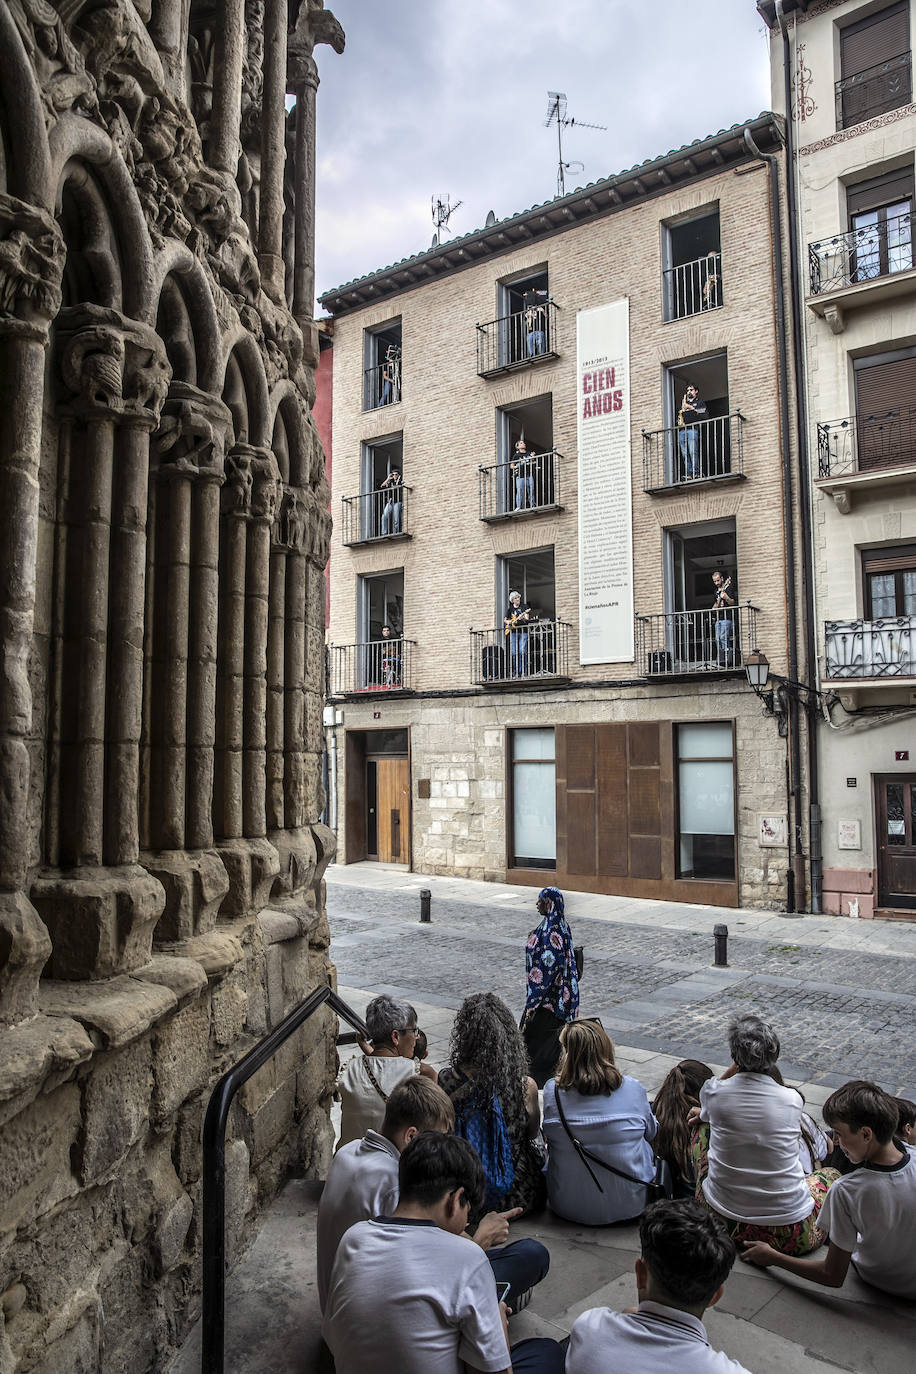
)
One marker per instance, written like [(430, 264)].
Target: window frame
[(678, 760), (512, 861), (880, 562)]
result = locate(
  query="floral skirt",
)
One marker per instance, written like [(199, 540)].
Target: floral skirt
[(796, 1238)]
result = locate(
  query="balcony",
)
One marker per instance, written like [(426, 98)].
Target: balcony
[(865, 452), (672, 458), (383, 514), (886, 86), (506, 494), (693, 286), (866, 265), (382, 385), (509, 343), (375, 667), (875, 651), (535, 653), (691, 643)]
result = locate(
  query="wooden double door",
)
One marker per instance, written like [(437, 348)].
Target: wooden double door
[(388, 800), (895, 819)]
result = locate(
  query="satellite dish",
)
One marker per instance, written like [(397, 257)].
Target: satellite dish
[(491, 219)]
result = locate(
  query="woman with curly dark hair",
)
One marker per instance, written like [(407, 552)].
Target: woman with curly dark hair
[(677, 1095), (496, 1101)]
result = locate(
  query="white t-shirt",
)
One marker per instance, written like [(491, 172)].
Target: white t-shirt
[(362, 1108), (407, 1296), (872, 1214), (362, 1183), (811, 1162), (755, 1173), (653, 1340)]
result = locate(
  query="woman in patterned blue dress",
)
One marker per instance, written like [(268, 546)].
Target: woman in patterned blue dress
[(552, 985)]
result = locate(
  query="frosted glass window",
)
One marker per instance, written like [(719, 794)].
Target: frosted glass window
[(534, 811), (707, 793), (533, 744), (705, 741)]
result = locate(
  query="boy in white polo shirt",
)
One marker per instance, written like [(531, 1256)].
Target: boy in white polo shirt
[(687, 1255), (870, 1214), (410, 1293)]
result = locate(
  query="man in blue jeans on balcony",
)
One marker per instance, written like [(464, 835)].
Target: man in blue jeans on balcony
[(725, 627), (518, 614), (524, 477), (688, 436)]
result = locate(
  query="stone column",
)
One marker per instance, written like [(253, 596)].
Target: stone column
[(169, 807), (225, 144), (29, 298), (273, 149), (202, 667), (304, 76), (294, 670), (236, 512), (257, 596)]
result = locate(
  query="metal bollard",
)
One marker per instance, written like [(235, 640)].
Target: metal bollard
[(720, 934), (425, 898)]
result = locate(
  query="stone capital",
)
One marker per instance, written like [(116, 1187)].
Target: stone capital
[(190, 440), (114, 367), (32, 256)]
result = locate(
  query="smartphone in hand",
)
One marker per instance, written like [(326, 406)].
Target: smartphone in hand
[(502, 1291)]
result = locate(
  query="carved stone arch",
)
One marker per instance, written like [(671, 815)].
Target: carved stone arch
[(79, 148), (25, 157), (177, 267), (245, 391), (291, 436)]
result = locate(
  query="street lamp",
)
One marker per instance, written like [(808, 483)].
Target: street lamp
[(757, 668)]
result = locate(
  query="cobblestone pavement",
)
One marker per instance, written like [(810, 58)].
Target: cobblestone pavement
[(841, 1012)]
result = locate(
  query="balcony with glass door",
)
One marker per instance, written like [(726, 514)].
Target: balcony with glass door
[(377, 667), (871, 262), (692, 277), (521, 655), (695, 643)]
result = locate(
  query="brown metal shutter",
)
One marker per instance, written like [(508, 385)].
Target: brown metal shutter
[(885, 389), (875, 39), (886, 190)]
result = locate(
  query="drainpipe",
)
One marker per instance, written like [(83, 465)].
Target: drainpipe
[(797, 895), (804, 485), (332, 779)]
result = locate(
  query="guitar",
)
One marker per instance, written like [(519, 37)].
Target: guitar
[(520, 615), (719, 603)]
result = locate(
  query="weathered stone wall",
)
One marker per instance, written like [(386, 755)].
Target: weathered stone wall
[(164, 535)]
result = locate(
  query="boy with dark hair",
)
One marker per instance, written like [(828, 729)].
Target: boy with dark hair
[(687, 1255), (906, 1120), (411, 1292), (870, 1215)]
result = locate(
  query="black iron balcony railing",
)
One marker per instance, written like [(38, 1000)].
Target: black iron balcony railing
[(693, 286), (380, 514), (681, 643), (377, 665), (872, 250), (382, 385), (523, 484), (864, 443), (701, 452), (886, 86), (871, 648), (532, 651), (517, 340)]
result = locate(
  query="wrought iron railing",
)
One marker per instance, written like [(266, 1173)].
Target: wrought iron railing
[(379, 514), (376, 665), (522, 484), (861, 443), (685, 642), (382, 385), (871, 648), (693, 286), (886, 86), (517, 340), (538, 649), (872, 250), (693, 453)]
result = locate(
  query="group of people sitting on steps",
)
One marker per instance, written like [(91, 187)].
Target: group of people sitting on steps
[(416, 1269)]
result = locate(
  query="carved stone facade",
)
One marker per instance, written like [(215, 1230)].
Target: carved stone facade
[(163, 534)]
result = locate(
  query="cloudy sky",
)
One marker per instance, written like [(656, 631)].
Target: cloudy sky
[(449, 96)]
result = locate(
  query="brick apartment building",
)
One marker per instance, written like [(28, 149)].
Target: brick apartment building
[(610, 740), (848, 67)]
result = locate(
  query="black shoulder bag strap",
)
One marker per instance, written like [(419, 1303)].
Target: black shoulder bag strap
[(586, 1155), (373, 1080)]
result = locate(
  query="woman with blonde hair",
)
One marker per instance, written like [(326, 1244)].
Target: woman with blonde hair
[(598, 1125)]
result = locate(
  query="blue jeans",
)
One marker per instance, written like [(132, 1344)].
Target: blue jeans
[(523, 485), (386, 396), (521, 1264), (688, 441), (392, 508), (537, 342), (518, 653), (725, 643)]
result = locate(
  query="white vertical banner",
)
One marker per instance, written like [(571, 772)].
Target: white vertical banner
[(605, 499)]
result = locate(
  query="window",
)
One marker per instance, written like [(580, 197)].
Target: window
[(885, 393), (380, 608), (706, 801), (880, 217), (692, 266), (699, 434), (525, 331), (701, 635), (875, 67), (526, 472), (533, 842), (889, 576), (532, 575), (383, 499), (382, 363)]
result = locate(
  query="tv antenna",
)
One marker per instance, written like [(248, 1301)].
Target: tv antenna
[(442, 209), (556, 114)]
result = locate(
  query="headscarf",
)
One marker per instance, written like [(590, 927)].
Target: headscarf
[(550, 962)]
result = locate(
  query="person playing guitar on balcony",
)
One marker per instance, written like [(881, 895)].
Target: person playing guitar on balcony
[(521, 465), (517, 617), (688, 430), (724, 621)]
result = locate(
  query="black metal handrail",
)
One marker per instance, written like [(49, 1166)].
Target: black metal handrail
[(379, 514), (530, 651), (861, 443), (373, 665), (700, 452), (523, 484), (382, 384), (693, 286), (863, 254), (517, 340), (681, 643), (213, 1252), (873, 91)]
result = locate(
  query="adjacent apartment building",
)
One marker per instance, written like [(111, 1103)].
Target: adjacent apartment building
[(844, 70), (586, 405)]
